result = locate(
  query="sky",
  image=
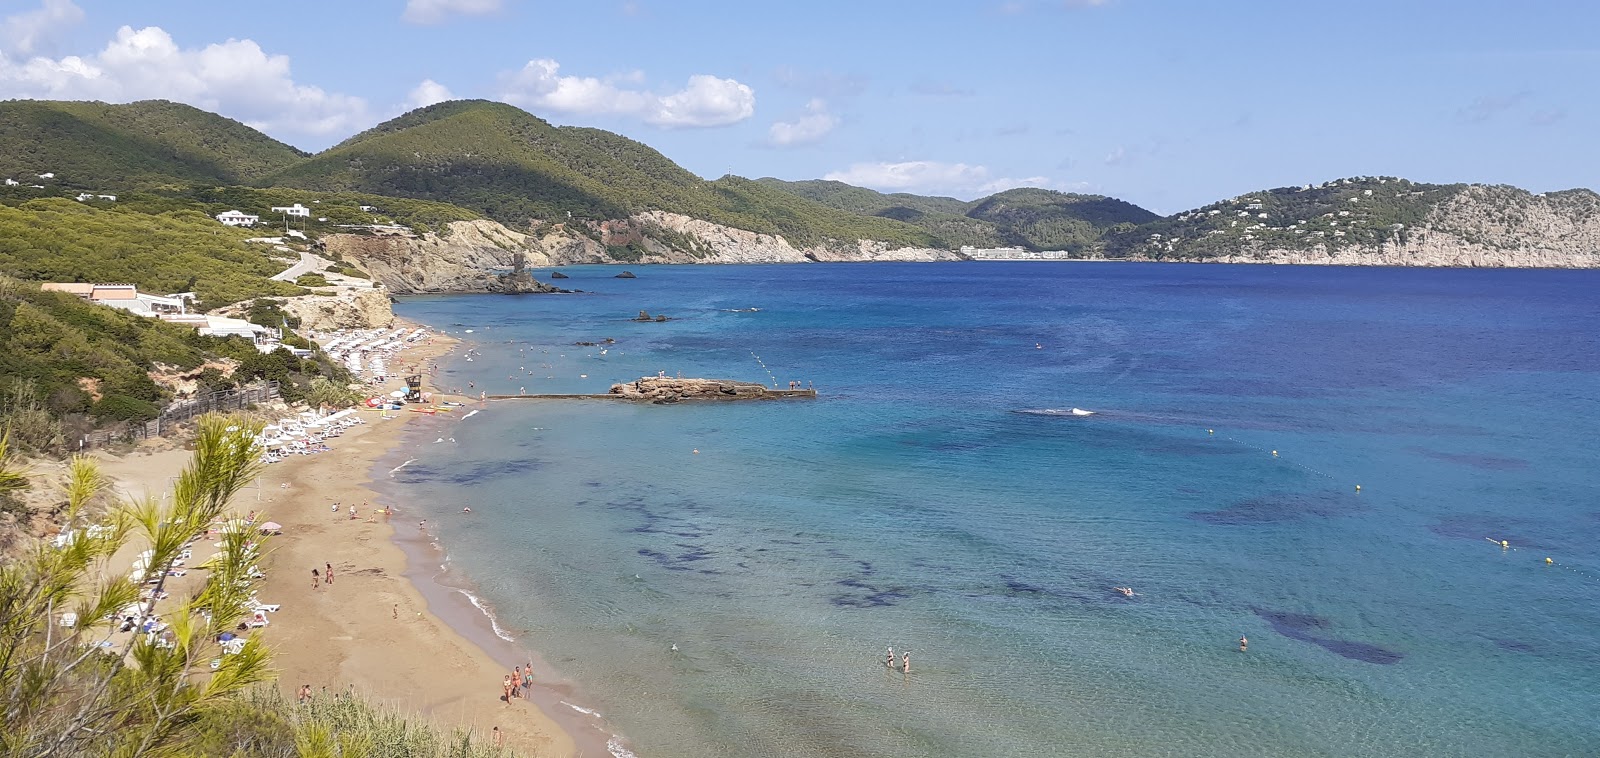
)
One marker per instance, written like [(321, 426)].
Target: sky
[(1169, 104)]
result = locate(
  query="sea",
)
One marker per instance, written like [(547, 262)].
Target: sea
[(1386, 480)]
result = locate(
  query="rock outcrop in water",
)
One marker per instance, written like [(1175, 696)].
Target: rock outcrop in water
[(663, 389)]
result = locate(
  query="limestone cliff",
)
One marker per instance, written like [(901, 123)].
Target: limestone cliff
[(466, 256), (351, 309)]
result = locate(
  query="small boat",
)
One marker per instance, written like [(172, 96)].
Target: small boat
[(1081, 412)]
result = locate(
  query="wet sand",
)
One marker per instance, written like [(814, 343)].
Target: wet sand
[(383, 628)]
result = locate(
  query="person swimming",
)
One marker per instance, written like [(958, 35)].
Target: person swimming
[(1126, 591)]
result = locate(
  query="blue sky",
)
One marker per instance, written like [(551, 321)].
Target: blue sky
[(1166, 104)]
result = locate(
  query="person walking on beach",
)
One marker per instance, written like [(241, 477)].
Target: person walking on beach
[(329, 576), (499, 738), (527, 678), (516, 681), (316, 580), (505, 687)]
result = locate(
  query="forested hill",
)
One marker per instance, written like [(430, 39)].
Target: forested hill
[(1382, 219), (514, 167), (95, 146), (1030, 218)]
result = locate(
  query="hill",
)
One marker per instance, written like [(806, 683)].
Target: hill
[(1030, 218), (98, 146), (1382, 220), (513, 167)]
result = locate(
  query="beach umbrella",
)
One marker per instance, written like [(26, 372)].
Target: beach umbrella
[(272, 527), (225, 636), (398, 393)]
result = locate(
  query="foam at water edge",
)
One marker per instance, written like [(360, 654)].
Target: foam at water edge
[(494, 623), (469, 415), (401, 466), (615, 748), (581, 709)]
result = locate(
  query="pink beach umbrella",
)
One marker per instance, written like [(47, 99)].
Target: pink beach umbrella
[(271, 527)]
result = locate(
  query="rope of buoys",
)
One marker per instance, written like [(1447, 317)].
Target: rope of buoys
[(1506, 547)]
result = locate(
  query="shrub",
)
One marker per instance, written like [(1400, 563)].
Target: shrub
[(124, 408)]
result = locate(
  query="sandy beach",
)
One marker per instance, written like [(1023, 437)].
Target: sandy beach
[(372, 630)]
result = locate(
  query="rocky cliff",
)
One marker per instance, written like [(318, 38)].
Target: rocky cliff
[(476, 256), (350, 309)]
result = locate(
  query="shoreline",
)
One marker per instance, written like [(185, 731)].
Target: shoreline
[(385, 628), (452, 599)]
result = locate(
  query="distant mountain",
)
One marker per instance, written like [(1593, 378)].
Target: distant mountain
[(1381, 221), (516, 168), (92, 145), (1030, 218)]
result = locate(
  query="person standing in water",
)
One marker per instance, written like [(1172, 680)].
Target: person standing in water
[(889, 661), (1243, 643), (905, 662)]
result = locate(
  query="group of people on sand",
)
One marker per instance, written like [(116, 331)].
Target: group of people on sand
[(517, 683), (318, 578), (904, 664)]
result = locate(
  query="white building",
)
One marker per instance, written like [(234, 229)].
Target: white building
[(48, 175), (12, 182), (292, 210), (236, 218)]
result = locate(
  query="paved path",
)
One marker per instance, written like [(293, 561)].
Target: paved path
[(308, 263)]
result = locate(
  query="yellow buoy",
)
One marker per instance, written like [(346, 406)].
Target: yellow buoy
[(1547, 560), (1504, 543), (1274, 453), (1358, 488)]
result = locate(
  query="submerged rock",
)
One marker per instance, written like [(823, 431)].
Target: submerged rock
[(558, 275), (625, 275)]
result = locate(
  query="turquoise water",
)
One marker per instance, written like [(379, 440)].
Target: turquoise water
[(930, 500)]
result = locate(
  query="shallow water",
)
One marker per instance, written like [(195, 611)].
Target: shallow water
[(935, 499)]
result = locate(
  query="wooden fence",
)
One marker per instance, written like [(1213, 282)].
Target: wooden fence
[(226, 400)]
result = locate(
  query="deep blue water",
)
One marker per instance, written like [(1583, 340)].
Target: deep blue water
[(928, 501)]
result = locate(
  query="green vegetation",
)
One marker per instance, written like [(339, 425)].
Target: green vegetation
[(1356, 211), (60, 240), (311, 280), (94, 146), (68, 363), (1030, 218), (177, 692), (66, 695), (497, 160)]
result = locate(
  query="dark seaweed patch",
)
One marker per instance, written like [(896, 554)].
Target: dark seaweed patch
[(1515, 646), (468, 473), (1474, 460), (1279, 508), (1307, 628)]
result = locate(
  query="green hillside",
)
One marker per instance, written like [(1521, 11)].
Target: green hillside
[(1031, 218), (502, 162), (183, 250), (1335, 214), (115, 148)]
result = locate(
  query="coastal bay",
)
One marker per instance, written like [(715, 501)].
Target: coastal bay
[(723, 579)]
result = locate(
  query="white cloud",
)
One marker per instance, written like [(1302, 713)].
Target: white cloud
[(235, 78), (427, 93), (24, 33), (815, 124), (429, 12), (704, 101), (959, 179)]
